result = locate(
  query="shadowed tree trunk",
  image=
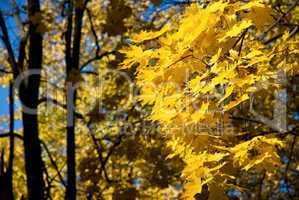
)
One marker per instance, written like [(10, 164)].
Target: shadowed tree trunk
[(4, 186), (11, 142), (29, 93), (72, 58)]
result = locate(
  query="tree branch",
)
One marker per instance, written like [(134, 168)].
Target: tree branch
[(59, 104), (5, 135), (6, 41), (97, 57), (11, 140), (53, 163), (278, 20), (93, 32), (289, 161)]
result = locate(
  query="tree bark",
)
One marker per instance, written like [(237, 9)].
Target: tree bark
[(72, 65), (11, 142), (29, 93)]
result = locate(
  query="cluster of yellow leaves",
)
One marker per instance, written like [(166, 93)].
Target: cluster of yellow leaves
[(260, 152), (199, 72), (144, 35), (203, 167), (198, 60), (4, 66)]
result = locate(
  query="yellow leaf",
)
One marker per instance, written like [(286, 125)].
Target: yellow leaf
[(236, 30), (253, 54), (250, 5), (144, 35), (235, 103), (228, 92), (215, 58), (199, 115), (260, 15), (234, 54), (256, 162)]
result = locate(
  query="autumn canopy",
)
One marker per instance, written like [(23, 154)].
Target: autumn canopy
[(124, 100)]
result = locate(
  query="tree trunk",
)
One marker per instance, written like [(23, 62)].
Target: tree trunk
[(29, 93), (11, 142), (72, 65)]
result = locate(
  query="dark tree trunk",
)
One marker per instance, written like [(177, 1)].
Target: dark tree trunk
[(4, 194), (72, 64), (11, 143), (70, 137), (29, 93)]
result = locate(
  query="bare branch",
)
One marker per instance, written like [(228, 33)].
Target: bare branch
[(97, 57), (5, 135), (59, 104)]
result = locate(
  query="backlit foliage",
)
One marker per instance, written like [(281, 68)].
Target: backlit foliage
[(198, 75), (197, 102)]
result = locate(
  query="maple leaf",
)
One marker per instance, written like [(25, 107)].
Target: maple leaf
[(236, 30), (145, 35)]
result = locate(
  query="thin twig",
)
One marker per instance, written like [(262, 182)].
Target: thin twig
[(242, 40), (97, 57), (98, 48), (278, 20), (53, 163), (289, 161), (5, 135), (6, 41), (261, 185), (59, 104)]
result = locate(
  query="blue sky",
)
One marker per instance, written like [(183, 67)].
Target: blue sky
[(13, 34), (166, 4), (4, 110)]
